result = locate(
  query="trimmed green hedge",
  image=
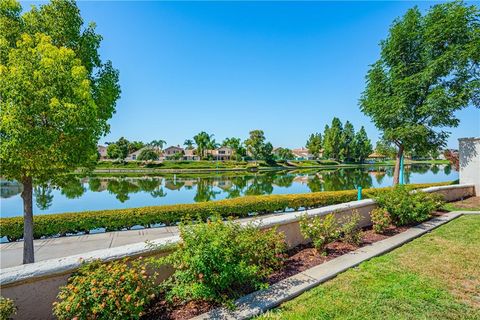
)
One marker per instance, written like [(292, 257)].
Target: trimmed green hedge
[(118, 219)]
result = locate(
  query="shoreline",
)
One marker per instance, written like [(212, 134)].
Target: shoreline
[(257, 169)]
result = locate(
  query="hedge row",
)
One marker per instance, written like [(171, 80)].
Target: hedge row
[(118, 219)]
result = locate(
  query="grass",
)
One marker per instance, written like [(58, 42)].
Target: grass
[(434, 277), (470, 204), (200, 164), (242, 165)]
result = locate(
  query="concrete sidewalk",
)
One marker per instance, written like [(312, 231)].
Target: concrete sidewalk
[(11, 253)]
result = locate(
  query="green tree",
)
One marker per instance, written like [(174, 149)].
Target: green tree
[(347, 142), (428, 69), (113, 151), (202, 140), (434, 154), (332, 139), (385, 148), (148, 154), (284, 154), (314, 144), (189, 144), (236, 145), (362, 146), (43, 196), (176, 156), (257, 147), (56, 96), (158, 144), (119, 149), (135, 146)]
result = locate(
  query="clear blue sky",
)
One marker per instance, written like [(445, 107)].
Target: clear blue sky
[(229, 67)]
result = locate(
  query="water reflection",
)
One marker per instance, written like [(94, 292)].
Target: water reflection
[(90, 193)]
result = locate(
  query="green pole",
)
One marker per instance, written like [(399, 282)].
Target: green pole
[(359, 194), (401, 170)]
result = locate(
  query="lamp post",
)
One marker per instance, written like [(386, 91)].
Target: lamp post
[(401, 170)]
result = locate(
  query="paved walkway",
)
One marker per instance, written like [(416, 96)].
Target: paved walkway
[(11, 254)]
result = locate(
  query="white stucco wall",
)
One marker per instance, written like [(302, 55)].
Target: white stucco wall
[(469, 155)]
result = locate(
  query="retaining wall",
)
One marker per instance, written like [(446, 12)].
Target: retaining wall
[(34, 287)]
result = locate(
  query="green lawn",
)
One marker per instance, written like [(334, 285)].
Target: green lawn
[(454, 207), (434, 277)]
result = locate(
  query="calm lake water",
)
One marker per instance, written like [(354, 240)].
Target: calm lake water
[(95, 193)]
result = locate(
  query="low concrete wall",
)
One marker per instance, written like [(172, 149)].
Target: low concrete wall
[(34, 287), (469, 158)]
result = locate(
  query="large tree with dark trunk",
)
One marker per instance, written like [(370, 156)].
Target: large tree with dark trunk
[(428, 70), (56, 96)]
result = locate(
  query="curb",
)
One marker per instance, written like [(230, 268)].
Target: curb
[(260, 301)]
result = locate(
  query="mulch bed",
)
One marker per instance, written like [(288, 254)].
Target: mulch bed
[(298, 259)]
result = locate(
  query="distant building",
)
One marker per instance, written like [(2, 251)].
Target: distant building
[(302, 154), (222, 153), (134, 155), (170, 151), (376, 156), (190, 155), (102, 150)]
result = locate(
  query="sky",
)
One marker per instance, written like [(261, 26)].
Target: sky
[(227, 68)]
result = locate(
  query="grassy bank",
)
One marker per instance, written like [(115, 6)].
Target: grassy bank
[(204, 165), (434, 277)]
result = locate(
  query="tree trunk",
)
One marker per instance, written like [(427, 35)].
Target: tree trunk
[(396, 173), (28, 253)]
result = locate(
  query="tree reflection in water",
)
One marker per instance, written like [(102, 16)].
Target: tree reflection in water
[(212, 186), (43, 196)]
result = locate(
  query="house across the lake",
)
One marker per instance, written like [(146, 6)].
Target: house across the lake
[(222, 153), (102, 151), (302, 154), (190, 154), (172, 150), (134, 155)]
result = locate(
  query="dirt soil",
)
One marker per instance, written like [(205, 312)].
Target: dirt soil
[(469, 203), (298, 259)]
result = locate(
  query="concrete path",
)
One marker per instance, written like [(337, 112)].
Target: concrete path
[(11, 253)]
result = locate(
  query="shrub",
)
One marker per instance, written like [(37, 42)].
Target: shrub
[(351, 232), (116, 290), (381, 219), (407, 207), (321, 230), (118, 219), (218, 261), (7, 308), (147, 154)]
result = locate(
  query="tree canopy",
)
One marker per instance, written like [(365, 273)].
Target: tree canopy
[(314, 144), (203, 141), (258, 147), (236, 145), (428, 69), (284, 154), (147, 154), (362, 146), (56, 96), (332, 140)]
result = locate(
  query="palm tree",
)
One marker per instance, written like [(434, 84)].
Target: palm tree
[(203, 140), (189, 144), (158, 144)]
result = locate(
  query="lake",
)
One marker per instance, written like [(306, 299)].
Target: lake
[(96, 193)]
